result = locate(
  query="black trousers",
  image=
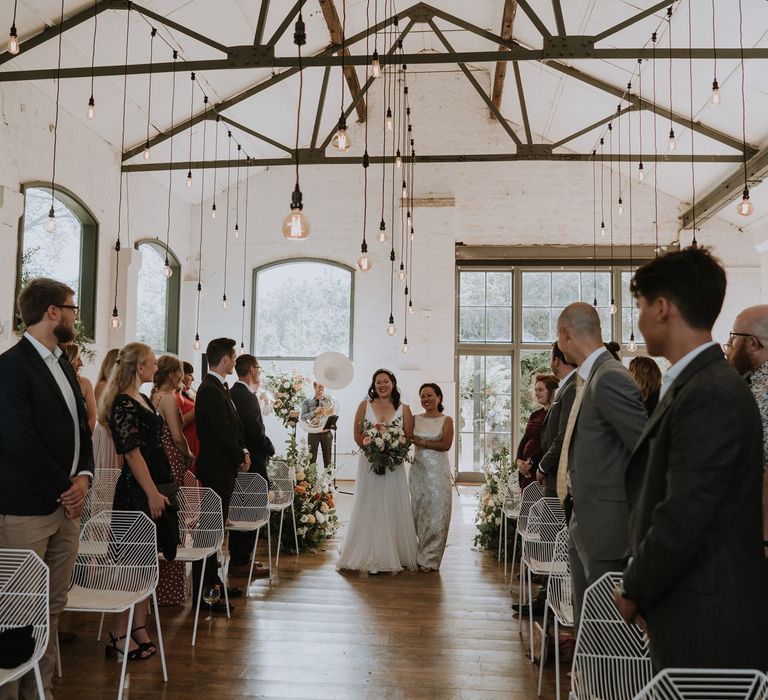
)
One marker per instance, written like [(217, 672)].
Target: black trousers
[(323, 440), (241, 543), (223, 487)]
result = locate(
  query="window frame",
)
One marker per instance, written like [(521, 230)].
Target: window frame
[(293, 261), (89, 246), (173, 296)]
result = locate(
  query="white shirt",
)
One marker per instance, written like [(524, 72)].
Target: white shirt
[(675, 370), (246, 385), (51, 359), (586, 367), (222, 380), (562, 382)]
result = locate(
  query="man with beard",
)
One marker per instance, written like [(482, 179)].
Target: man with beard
[(747, 351), (46, 457)]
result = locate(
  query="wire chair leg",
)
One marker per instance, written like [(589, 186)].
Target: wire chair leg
[(58, 658), (225, 581), (279, 539), (101, 627), (557, 657), (199, 598), (39, 680), (514, 556), (253, 560), (504, 528), (269, 549), (159, 634), (501, 525), (521, 598), (295, 534), (543, 646), (125, 653), (530, 609)]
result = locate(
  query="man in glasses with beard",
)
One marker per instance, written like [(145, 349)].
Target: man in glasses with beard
[(46, 457)]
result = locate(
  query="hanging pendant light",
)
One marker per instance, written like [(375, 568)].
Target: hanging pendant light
[(91, 107), (744, 207), (167, 270), (50, 224), (715, 93), (391, 329), (632, 343), (382, 237), (341, 141), (410, 307), (640, 172), (296, 225), (375, 65), (364, 262), (13, 38), (115, 322), (389, 121), (401, 274), (196, 344), (224, 302), (405, 345)]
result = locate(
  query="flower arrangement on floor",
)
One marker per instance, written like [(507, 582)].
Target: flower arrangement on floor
[(488, 517), (385, 445), (287, 388), (313, 504)]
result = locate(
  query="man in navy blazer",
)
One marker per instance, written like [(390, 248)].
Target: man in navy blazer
[(46, 456), (697, 575)]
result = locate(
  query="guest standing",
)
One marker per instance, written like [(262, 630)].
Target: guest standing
[(137, 431), (107, 364), (72, 355), (167, 379), (185, 398), (323, 438), (45, 452), (647, 374), (430, 478), (104, 454), (603, 427), (529, 450), (696, 576)]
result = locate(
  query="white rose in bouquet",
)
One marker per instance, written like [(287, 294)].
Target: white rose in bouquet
[(319, 517)]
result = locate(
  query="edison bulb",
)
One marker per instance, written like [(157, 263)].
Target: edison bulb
[(146, 151), (413, 235), (196, 344), (621, 206), (389, 119), (640, 172), (364, 263), (296, 226), (189, 179), (410, 308), (241, 351), (745, 207), (715, 93), (632, 346), (405, 346), (237, 230), (13, 43), (375, 65), (213, 211), (115, 322), (408, 219), (672, 142), (341, 141), (398, 160), (51, 223), (612, 308), (404, 193), (382, 237), (401, 274), (602, 229), (391, 329), (224, 302), (167, 271), (91, 108)]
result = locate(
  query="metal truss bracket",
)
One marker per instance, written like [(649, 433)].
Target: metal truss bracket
[(247, 55), (568, 46), (534, 151), (420, 13)]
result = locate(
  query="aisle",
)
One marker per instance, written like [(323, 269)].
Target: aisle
[(318, 634)]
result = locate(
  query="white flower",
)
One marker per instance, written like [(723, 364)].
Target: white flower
[(304, 518), (310, 519), (319, 517), (498, 521), (300, 476), (379, 442), (324, 507)]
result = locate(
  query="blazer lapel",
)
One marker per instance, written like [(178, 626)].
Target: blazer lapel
[(42, 370)]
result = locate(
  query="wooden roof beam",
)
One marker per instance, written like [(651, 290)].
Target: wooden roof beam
[(507, 25)]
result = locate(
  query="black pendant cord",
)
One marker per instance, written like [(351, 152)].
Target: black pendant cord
[(170, 172), (298, 109), (215, 170), (602, 188), (594, 229), (200, 246), (715, 85), (640, 166), (671, 127), (620, 201), (152, 35), (366, 158), (743, 100), (631, 255), (191, 117), (51, 213), (91, 100), (408, 167), (226, 217), (245, 256), (655, 148), (610, 209), (694, 242), (116, 322), (237, 192)]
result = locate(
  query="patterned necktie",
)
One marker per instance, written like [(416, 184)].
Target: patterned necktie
[(562, 466)]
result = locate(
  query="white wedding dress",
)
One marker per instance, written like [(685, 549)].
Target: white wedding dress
[(380, 535)]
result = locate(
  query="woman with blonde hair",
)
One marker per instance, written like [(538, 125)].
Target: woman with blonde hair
[(72, 354), (104, 455), (104, 371), (647, 374), (167, 380), (137, 433)]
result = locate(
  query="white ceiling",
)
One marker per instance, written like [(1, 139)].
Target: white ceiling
[(557, 105)]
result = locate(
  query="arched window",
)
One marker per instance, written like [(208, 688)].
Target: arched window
[(157, 297), (67, 254), (302, 308)]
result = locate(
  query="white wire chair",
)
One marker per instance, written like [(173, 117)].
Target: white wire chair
[(559, 601), (101, 494), (706, 684), (282, 481), (201, 533), (249, 511), (190, 479), (531, 494), (116, 568), (544, 521), (24, 582), (510, 510), (611, 658)]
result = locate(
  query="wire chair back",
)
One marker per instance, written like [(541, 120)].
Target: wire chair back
[(190, 479), (282, 480), (201, 526), (512, 498), (531, 494), (559, 593), (545, 520), (706, 684), (249, 504), (611, 658), (101, 494), (24, 582)]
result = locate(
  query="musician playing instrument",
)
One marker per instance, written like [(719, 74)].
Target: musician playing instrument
[(314, 412)]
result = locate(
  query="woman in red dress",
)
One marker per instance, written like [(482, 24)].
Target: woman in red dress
[(529, 449), (185, 400)]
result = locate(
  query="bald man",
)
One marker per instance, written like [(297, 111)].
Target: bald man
[(606, 420), (747, 351)]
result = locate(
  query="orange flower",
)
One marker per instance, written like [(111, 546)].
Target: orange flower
[(300, 489)]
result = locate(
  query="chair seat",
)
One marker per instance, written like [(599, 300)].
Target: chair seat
[(194, 553), (538, 566), (10, 674), (246, 525), (89, 599), (564, 613), (280, 506), (512, 512)]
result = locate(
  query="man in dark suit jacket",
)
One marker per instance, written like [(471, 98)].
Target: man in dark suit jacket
[(259, 445), (556, 421), (223, 449), (697, 575), (604, 424), (46, 457)]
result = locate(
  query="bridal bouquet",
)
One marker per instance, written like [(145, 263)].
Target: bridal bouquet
[(385, 445)]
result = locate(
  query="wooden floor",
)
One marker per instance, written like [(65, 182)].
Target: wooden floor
[(315, 633)]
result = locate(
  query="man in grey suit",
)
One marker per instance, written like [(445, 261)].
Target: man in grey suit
[(697, 576), (605, 422), (556, 421)]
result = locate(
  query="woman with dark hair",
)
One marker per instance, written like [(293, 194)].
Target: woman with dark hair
[(647, 374), (380, 535), (529, 450), (185, 400), (430, 478)]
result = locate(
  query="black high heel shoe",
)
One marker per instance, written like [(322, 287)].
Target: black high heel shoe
[(112, 650), (144, 646)]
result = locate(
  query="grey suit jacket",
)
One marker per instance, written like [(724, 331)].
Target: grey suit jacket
[(610, 420), (554, 431), (694, 481)]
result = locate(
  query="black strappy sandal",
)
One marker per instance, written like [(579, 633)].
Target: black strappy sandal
[(112, 650), (144, 646)]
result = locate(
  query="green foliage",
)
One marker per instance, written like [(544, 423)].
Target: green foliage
[(497, 473)]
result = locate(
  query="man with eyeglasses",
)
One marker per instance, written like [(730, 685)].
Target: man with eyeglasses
[(46, 457), (747, 351)]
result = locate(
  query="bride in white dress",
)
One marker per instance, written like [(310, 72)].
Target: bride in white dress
[(380, 535)]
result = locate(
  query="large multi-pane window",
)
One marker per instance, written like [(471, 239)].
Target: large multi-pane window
[(157, 302), (67, 253), (507, 322)]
